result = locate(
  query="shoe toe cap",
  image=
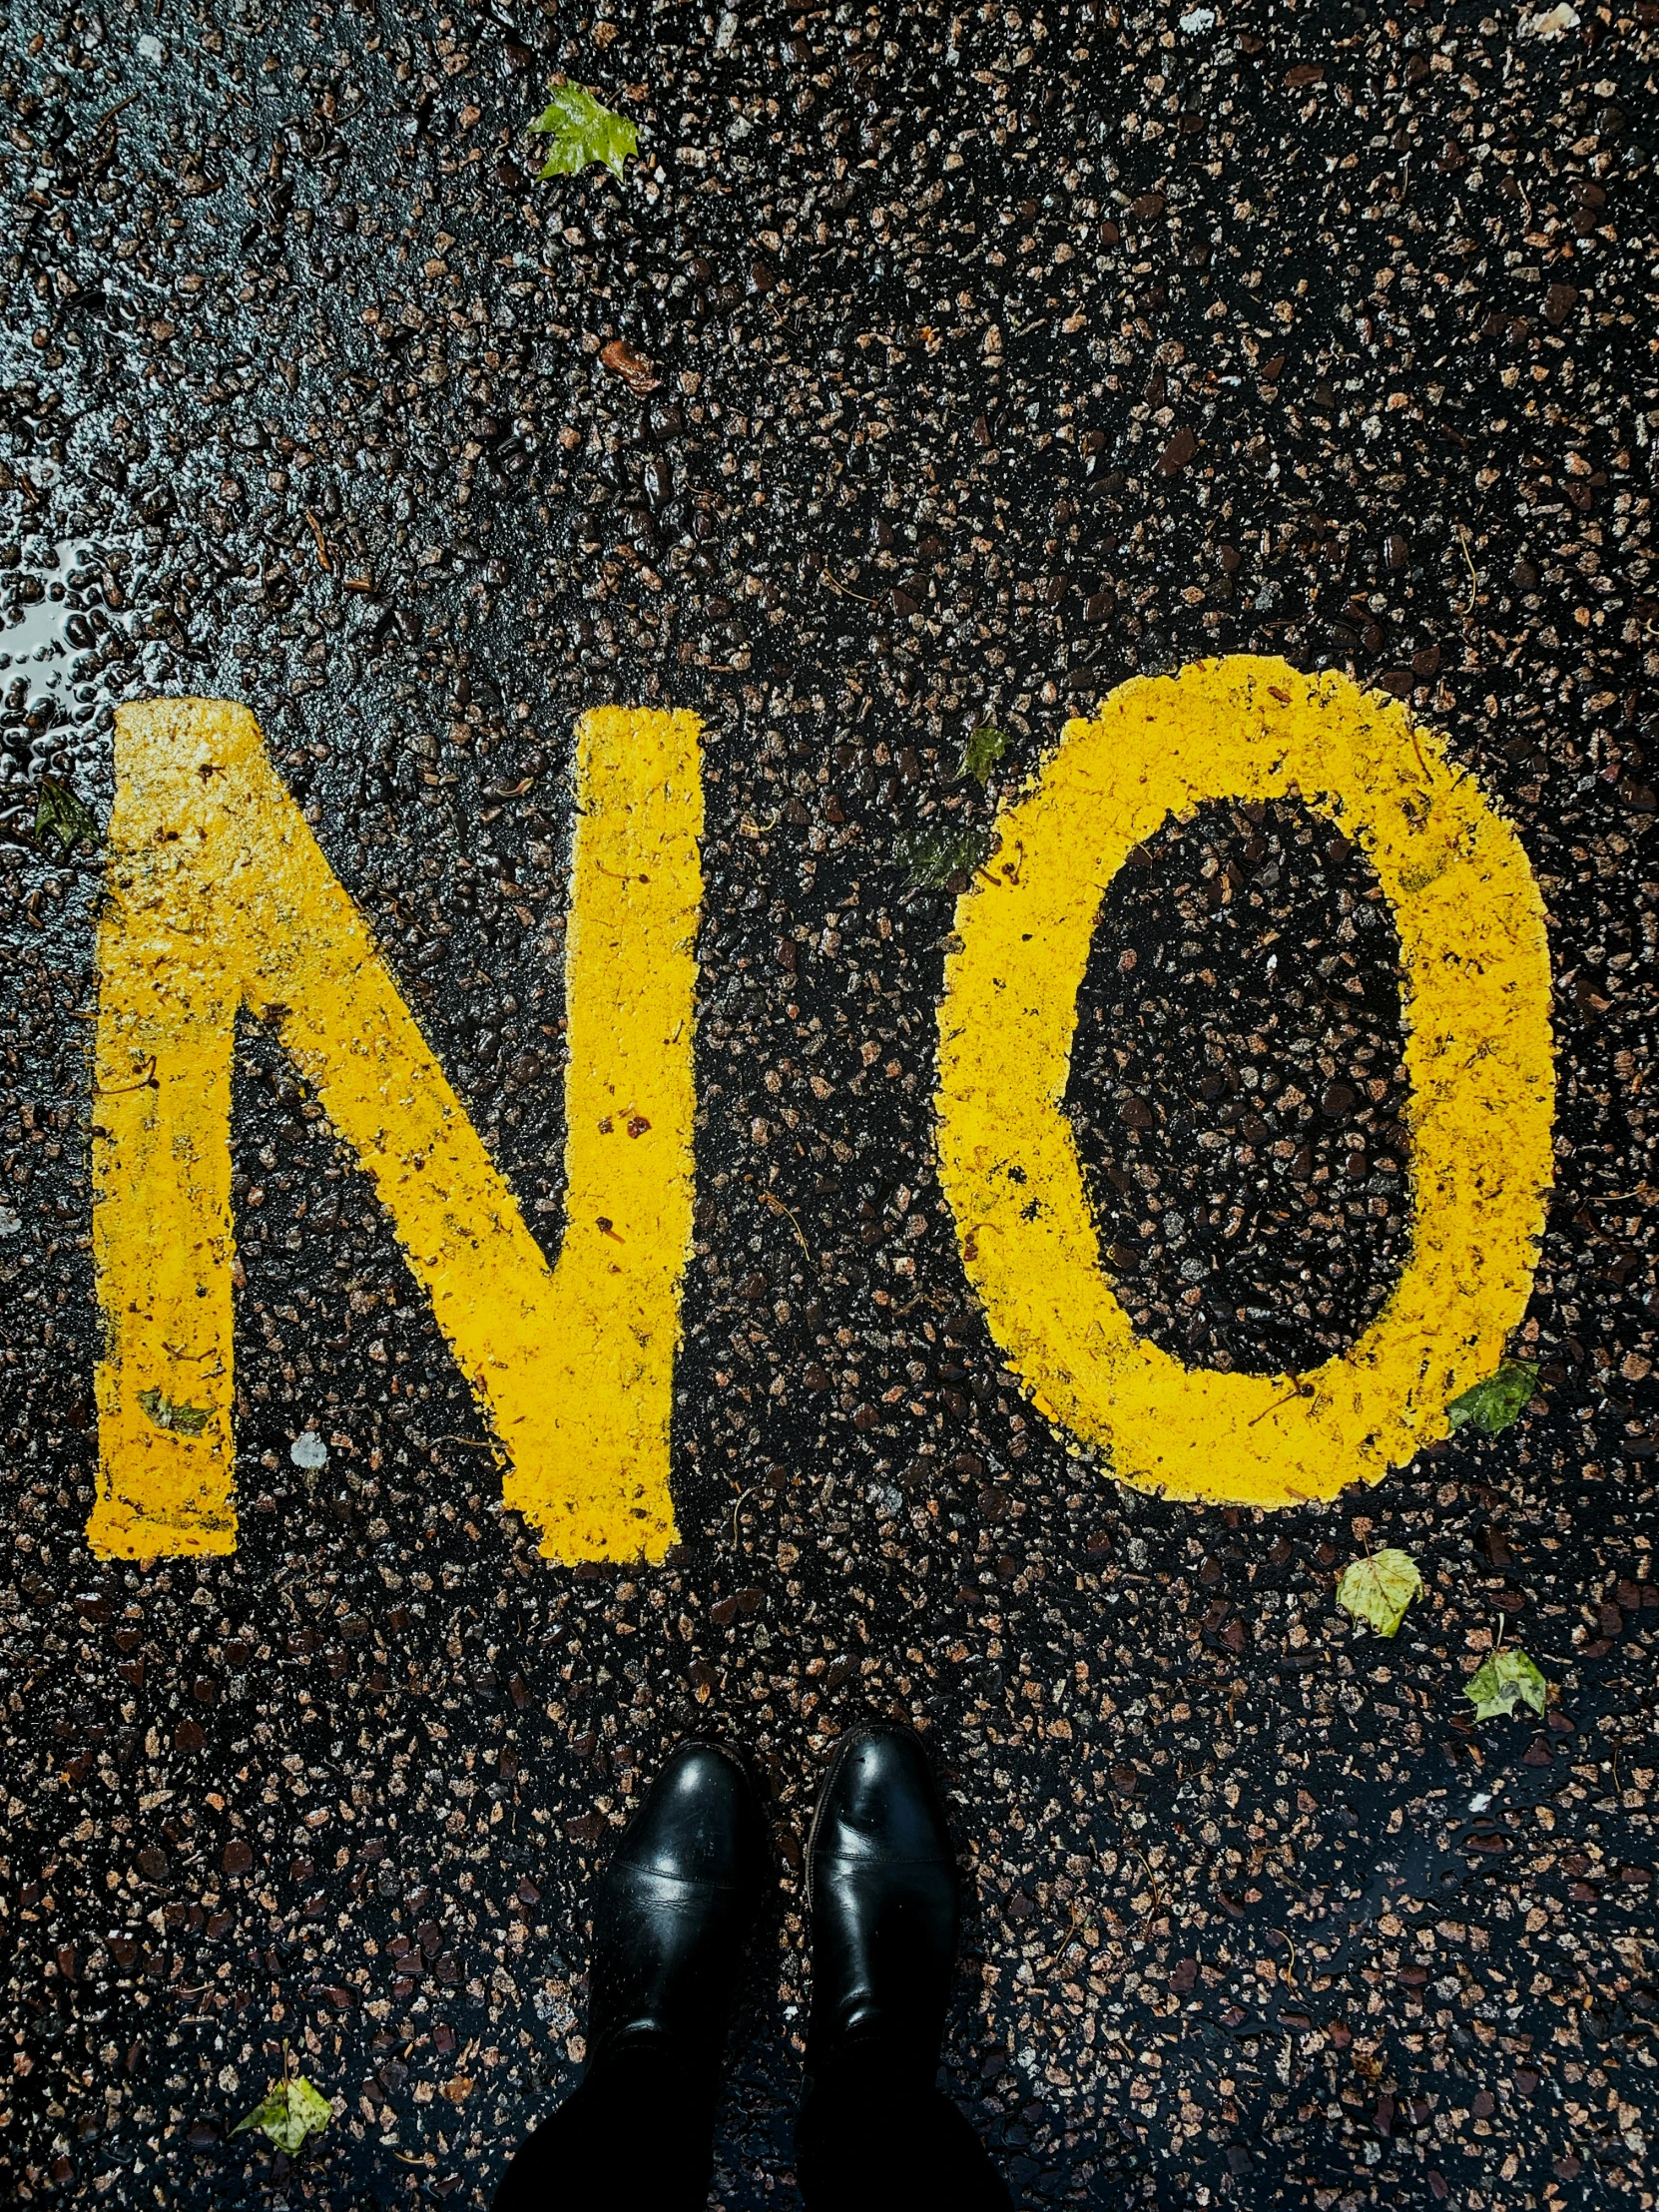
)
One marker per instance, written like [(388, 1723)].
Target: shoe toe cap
[(700, 1821), (882, 1802)]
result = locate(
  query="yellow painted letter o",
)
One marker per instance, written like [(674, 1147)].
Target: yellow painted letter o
[(1475, 999)]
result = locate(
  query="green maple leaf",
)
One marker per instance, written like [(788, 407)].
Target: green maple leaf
[(61, 812), (984, 748), (1378, 1590), (1503, 1680), (1496, 1405), (292, 2111), (582, 130)]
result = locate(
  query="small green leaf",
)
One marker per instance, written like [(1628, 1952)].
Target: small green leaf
[(931, 858), (1378, 1590), (309, 2105), (269, 2118), (583, 131), (292, 2111), (1507, 1679), (64, 815), (985, 747), (1496, 1405), (189, 1421)]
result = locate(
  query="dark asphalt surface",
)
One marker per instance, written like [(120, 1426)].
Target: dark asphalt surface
[(999, 354)]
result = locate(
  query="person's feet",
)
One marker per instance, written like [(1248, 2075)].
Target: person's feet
[(675, 1909), (881, 1888)]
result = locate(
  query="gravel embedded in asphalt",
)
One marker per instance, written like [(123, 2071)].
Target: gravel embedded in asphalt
[(934, 370)]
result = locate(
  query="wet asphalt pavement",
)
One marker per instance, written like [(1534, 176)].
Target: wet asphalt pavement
[(992, 357)]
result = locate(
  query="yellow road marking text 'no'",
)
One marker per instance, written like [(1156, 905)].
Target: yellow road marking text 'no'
[(1475, 993), (220, 898)]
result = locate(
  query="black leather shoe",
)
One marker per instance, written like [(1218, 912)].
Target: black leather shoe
[(882, 1889), (675, 1909)]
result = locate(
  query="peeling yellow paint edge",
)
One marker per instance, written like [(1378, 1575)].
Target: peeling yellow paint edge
[(1479, 1059)]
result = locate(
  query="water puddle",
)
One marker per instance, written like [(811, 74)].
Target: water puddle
[(37, 645), (53, 621)]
